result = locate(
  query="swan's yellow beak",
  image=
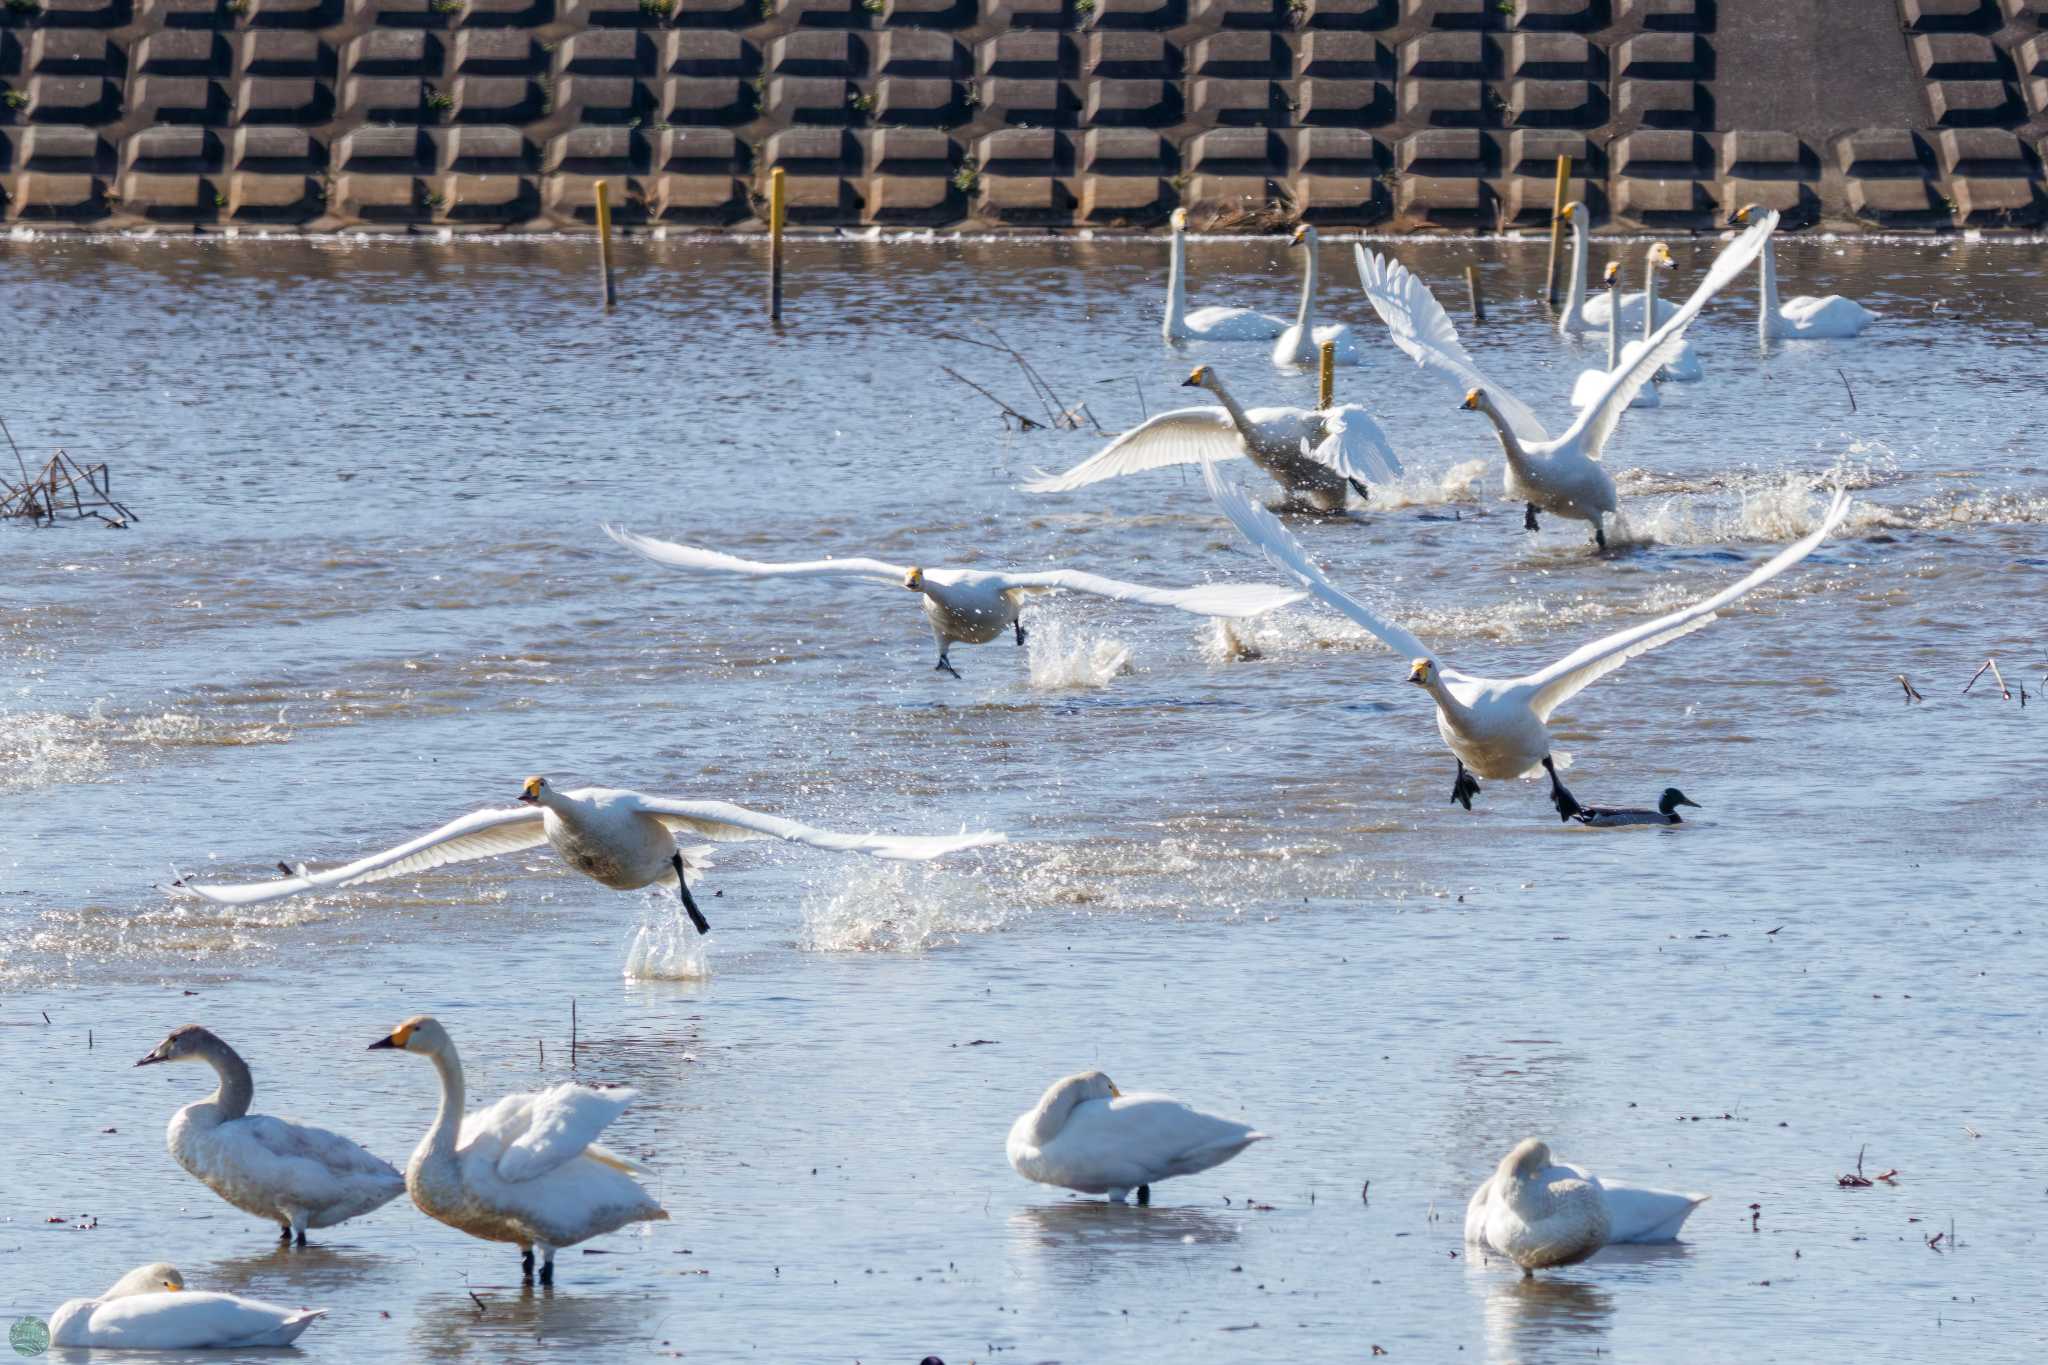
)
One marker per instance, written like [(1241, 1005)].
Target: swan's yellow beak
[(1564, 216), (171, 1288), (1418, 672), (914, 580), (530, 793), (1195, 380), (1741, 215), (1471, 401), (1115, 1093), (1300, 235), (1179, 218), (1663, 257), (397, 1039)]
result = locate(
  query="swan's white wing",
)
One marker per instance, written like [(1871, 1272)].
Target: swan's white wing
[(711, 561), (1626, 380), (722, 822), (185, 1321), (1211, 599), (1568, 676), (1183, 436), (480, 834), (560, 1123), (1355, 447), (1419, 326), (1284, 552)]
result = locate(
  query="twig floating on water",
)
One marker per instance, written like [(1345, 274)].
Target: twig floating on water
[(1851, 392), (1023, 423), (479, 1302), (1911, 695), (1991, 664)]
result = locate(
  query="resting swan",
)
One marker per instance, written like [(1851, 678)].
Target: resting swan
[(1084, 1134), (528, 1170), (1302, 343), (1499, 727), (621, 839), (1591, 383), (970, 606), (149, 1309), (1803, 318), (1313, 455), (1206, 324), (1636, 1215), (1581, 314), (1538, 1215), (296, 1176)]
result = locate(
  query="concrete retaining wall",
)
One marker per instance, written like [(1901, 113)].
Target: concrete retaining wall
[(1412, 113)]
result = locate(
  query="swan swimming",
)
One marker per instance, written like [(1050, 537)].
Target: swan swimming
[(1538, 1215), (1613, 816), (1302, 343), (969, 606), (1587, 388), (149, 1309), (621, 839), (1315, 455), (1684, 368), (1582, 314), (1636, 1215), (1206, 324), (528, 1170), (1803, 318), (1084, 1134), (294, 1175), (1497, 728)]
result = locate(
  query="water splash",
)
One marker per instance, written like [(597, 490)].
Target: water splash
[(898, 908), (1060, 660), (1464, 482), (666, 946)]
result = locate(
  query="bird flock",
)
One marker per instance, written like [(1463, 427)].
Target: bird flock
[(529, 1170)]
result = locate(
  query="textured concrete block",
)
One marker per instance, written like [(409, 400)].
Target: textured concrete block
[(282, 53), (1994, 201), (177, 99), (1241, 55), (488, 198), (383, 150), (1044, 56), (272, 198), (85, 13), (1120, 103), (71, 99), (930, 14), (1334, 198), (821, 13), (1445, 152), (494, 99), (183, 52), (384, 99), (1237, 151), (1450, 201), (1345, 55), (1553, 15), (1662, 57), (1021, 198), (1766, 156), (1451, 14), (526, 13), (73, 52), (573, 199), (1130, 55), (376, 198), (607, 52), (1339, 153), (1149, 14), (1957, 57), (393, 52), (1446, 104), (1234, 101), (807, 99), (1534, 152), (595, 152), (1658, 154), (52, 195), (1874, 153), (1021, 152), (817, 54), (1555, 104), (1900, 201), (1659, 104), (1117, 199), (488, 151), (1230, 193), (282, 99), (1680, 16), (495, 52), (58, 148), (908, 152), (910, 52), (706, 100), (1337, 102), (1527, 200), (1012, 14), (1936, 16), (1240, 14), (294, 13), (1125, 152), (709, 52), (1445, 55), (916, 100), (1349, 14), (1552, 56), (1679, 203), (1034, 102), (812, 151), (710, 199), (1989, 152), (1794, 201), (1962, 104), (909, 199), (166, 197), (272, 150), (172, 149), (601, 99)]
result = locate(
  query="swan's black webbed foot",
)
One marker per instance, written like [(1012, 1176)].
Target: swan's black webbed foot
[(1529, 518), (1465, 788), (945, 665), (1020, 631), (1567, 804), (1144, 1195), (689, 904)]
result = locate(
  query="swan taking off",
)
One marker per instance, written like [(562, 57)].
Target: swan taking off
[(296, 1176), (969, 606), (1636, 1214), (1803, 318), (149, 1309), (527, 1170), (1206, 324), (1314, 455), (1301, 343), (1605, 817), (1085, 1134), (1538, 1215), (624, 840), (1498, 728)]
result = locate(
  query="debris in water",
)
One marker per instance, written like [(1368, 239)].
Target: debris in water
[(42, 495), (1992, 664), (1911, 695)]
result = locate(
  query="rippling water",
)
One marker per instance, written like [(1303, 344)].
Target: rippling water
[(367, 593)]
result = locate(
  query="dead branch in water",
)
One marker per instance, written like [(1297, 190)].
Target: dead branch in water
[(42, 495), (1911, 695), (1058, 414), (1991, 664), (1023, 423)]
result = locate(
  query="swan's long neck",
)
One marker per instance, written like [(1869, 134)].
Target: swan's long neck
[(1051, 1115), (1455, 712), (1575, 290), (1509, 444), (1176, 284), (440, 1141), (1767, 272), (1649, 298), (1308, 285), (1237, 417), (1614, 323), (237, 1087)]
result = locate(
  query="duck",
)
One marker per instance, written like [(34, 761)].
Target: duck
[(1499, 728), (1086, 1135), (1206, 324), (1605, 817), (1636, 1214), (1536, 1214), (624, 840), (1804, 318), (969, 606), (1582, 314), (292, 1174), (1317, 456), (1564, 475), (1591, 383), (1302, 343), (149, 1309), (527, 1170)]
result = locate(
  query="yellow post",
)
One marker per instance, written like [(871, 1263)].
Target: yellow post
[(778, 206), (604, 241), (1326, 375), (1472, 292), (1564, 176)]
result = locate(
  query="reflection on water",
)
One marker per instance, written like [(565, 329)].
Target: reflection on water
[(1084, 1241), (1548, 1318), (530, 1323)]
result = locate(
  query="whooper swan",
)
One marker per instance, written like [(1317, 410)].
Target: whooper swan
[(1592, 383), (1636, 1214), (1302, 343), (1582, 314), (149, 1309), (1804, 318), (1206, 324), (1538, 1215), (1084, 1134)]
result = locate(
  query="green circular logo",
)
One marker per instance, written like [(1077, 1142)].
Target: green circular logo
[(29, 1336)]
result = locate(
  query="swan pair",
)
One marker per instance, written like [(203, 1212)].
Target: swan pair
[(150, 1309), (621, 839), (1084, 1134), (1541, 1213), (1295, 344)]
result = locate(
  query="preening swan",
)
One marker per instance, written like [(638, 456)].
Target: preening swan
[(1313, 455), (1806, 317), (296, 1176), (1636, 1215), (969, 606), (149, 1309), (1085, 1134), (622, 839), (1665, 814), (1498, 727), (1582, 314), (1206, 324), (527, 1170), (1302, 343), (1538, 1215), (1591, 383)]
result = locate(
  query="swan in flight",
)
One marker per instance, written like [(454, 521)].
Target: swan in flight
[(1804, 318), (1314, 455), (1498, 728), (1636, 1215), (528, 1170), (1591, 383), (292, 1174), (149, 1309), (1583, 314), (1084, 1134), (1562, 476), (1536, 1214), (624, 840), (1302, 343), (1206, 324), (969, 606), (1666, 813)]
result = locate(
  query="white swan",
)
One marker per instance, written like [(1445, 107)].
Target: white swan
[(1683, 368), (1536, 1214), (527, 1170), (1312, 454), (296, 1176), (1563, 475), (622, 839), (969, 606), (1583, 314), (1206, 324), (1084, 1134), (1636, 1215), (149, 1309), (1302, 343), (1590, 384), (1804, 318), (1498, 727)]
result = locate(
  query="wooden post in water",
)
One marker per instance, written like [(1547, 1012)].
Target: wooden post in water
[(1472, 292), (777, 210), (1326, 374), (604, 242), (1564, 176)]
